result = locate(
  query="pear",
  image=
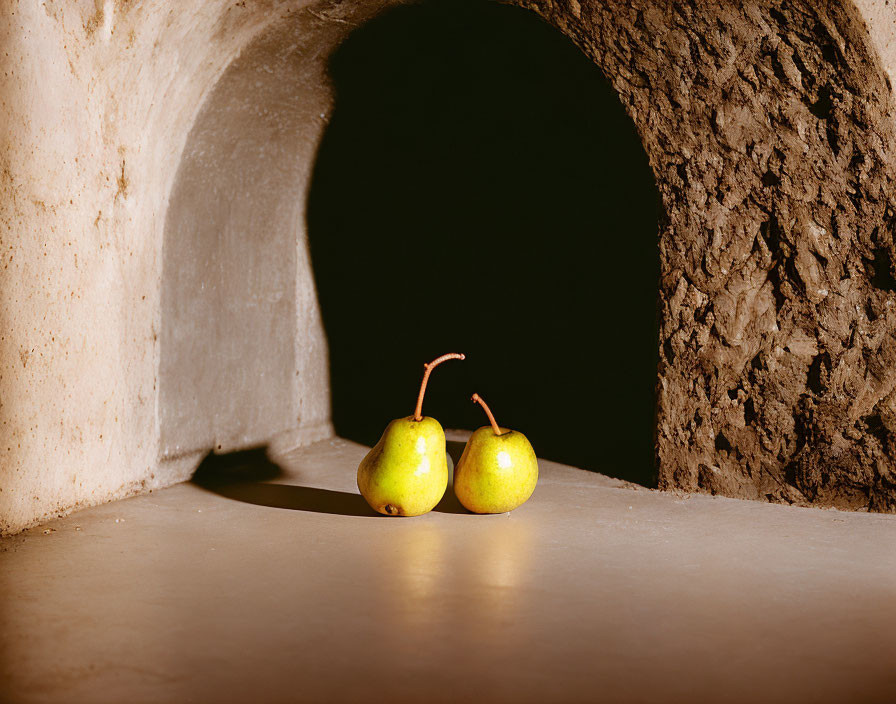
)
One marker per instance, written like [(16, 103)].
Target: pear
[(406, 472), (498, 469)]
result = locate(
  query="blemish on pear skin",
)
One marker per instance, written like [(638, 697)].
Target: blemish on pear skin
[(392, 510)]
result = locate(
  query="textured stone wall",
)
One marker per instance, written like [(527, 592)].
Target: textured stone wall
[(768, 125)]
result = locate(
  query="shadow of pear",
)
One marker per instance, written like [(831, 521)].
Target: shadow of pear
[(250, 476)]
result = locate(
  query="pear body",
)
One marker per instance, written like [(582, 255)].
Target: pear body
[(406, 472), (495, 473)]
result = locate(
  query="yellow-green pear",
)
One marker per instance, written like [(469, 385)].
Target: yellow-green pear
[(406, 472), (498, 469)]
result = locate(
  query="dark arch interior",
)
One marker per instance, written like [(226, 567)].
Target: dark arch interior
[(480, 189)]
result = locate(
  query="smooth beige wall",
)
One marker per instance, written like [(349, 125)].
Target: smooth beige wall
[(109, 113)]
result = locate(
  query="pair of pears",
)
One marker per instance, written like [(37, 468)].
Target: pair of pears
[(406, 472)]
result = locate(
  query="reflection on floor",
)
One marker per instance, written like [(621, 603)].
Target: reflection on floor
[(272, 581)]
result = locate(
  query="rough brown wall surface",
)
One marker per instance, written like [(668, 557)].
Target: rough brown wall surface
[(769, 127)]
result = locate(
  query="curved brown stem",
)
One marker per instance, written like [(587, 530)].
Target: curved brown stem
[(488, 411), (427, 370)]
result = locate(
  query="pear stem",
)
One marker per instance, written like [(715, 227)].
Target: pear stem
[(488, 411), (427, 370)]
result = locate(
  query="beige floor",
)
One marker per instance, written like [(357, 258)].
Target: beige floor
[(290, 590)]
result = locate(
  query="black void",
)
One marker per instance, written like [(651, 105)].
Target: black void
[(481, 189)]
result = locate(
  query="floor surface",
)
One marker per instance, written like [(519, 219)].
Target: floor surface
[(277, 583)]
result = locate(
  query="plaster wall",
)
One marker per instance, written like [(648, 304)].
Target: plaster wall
[(242, 347), (100, 104), (138, 139), (879, 20)]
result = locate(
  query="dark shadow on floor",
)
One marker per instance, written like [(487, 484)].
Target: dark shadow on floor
[(481, 189), (247, 475), (250, 475)]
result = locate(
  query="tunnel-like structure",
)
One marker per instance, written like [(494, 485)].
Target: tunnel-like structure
[(155, 166)]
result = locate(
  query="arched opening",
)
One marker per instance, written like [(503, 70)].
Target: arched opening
[(480, 188)]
